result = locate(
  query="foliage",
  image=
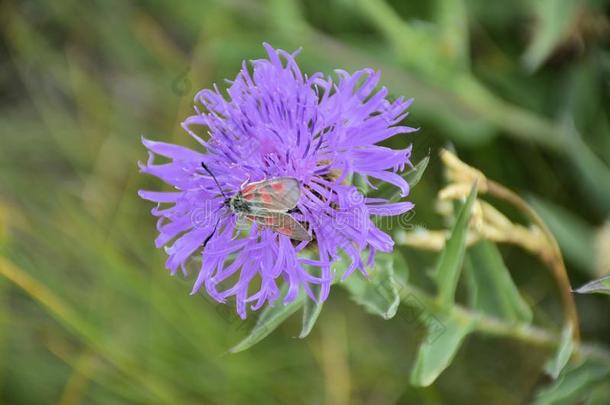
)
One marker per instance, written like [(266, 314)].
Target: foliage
[(89, 315)]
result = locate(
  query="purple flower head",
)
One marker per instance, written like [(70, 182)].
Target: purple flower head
[(277, 122)]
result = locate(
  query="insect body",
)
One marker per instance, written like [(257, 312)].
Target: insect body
[(267, 203)]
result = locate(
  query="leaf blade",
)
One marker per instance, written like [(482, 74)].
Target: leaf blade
[(566, 346), (435, 356), (493, 290), (311, 312), (269, 319), (555, 19), (573, 385), (599, 286), (451, 258), (379, 293), (413, 176)]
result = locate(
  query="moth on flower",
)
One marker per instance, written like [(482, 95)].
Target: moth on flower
[(278, 152), (267, 203)]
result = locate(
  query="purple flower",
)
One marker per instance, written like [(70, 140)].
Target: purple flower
[(276, 121)]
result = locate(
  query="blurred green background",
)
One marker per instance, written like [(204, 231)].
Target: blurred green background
[(89, 315)]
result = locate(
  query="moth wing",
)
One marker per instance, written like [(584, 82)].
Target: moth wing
[(281, 223), (277, 194)]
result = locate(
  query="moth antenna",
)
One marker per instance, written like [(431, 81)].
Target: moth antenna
[(205, 242), (215, 180)]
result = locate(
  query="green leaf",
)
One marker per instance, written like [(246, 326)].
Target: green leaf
[(493, 291), (311, 308), (564, 352), (435, 355), (555, 17), (360, 184), (270, 318), (574, 385), (599, 286), (450, 261), (575, 236), (599, 394), (413, 176), (311, 312), (401, 270), (379, 292)]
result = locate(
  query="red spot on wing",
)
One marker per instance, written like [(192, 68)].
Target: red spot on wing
[(266, 198), (249, 196), (285, 230), (248, 189), (277, 187)]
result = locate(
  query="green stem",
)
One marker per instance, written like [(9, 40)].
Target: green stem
[(492, 326)]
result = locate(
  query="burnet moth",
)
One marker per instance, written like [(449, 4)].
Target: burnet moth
[(266, 203)]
